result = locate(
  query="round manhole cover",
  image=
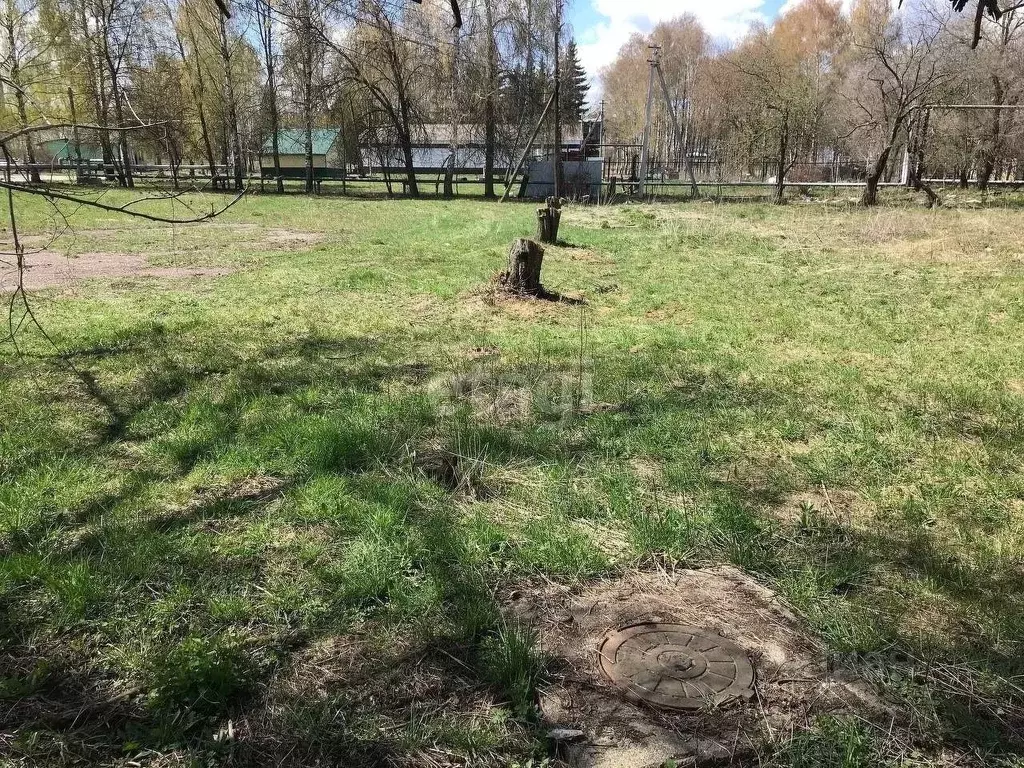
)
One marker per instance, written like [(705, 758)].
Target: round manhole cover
[(676, 666)]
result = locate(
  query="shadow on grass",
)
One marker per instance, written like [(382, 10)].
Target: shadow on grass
[(135, 623), (349, 614)]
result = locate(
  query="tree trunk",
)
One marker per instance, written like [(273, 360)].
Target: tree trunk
[(557, 137), (19, 95), (405, 132), (75, 137), (525, 258), (307, 105), (306, 60), (265, 21), (870, 195), (307, 119), (94, 73), (123, 147), (174, 158), (917, 168), (490, 119), (229, 92), (988, 156), (410, 167), (124, 168), (204, 129), (110, 164), (274, 147), (780, 170)]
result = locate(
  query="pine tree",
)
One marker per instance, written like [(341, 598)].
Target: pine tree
[(574, 85)]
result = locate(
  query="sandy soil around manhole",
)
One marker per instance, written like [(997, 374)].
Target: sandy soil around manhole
[(49, 269), (793, 685)]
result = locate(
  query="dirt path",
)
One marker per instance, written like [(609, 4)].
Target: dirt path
[(50, 269)]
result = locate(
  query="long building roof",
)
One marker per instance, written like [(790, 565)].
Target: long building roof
[(292, 141)]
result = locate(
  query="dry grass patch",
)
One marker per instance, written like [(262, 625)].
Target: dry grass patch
[(383, 702), (911, 236)]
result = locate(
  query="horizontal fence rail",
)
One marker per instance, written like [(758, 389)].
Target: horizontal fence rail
[(395, 180)]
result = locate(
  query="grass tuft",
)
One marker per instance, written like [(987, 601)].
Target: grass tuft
[(511, 661)]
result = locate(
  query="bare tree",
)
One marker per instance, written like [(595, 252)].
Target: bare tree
[(389, 64), (21, 56), (490, 96), (115, 22), (896, 69), (305, 46), (231, 105), (998, 66), (789, 86), (186, 25), (263, 16)]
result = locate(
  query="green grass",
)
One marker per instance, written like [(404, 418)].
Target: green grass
[(830, 397)]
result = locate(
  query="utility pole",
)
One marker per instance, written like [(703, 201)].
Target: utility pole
[(653, 61), (600, 138), (557, 138)]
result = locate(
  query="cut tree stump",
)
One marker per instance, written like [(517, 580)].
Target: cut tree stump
[(547, 221), (524, 262)]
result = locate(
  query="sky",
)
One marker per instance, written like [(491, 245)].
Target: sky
[(602, 26)]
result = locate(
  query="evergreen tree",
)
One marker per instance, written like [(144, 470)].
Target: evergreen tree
[(574, 85)]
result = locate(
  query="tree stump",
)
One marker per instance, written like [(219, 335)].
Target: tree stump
[(547, 221), (610, 197), (524, 262)]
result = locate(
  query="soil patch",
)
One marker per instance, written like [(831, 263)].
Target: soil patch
[(822, 506), (588, 256), (289, 237), (491, 300), (793, 684), (482, 353), (50, 269)]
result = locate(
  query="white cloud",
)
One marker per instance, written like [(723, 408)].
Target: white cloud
[(600, 43), (788, 6), (845, 5)]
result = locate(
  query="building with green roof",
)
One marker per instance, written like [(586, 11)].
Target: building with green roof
[(291, 148), (62, 151)]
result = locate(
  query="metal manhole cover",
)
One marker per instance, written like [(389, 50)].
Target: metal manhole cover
[(676, 666)]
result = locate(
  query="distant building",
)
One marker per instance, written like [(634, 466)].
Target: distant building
[(432, 147), (291, 148), (580, 178), (61, 151)]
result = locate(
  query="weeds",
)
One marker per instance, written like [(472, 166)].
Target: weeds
[(831, 742), (510, 660)]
